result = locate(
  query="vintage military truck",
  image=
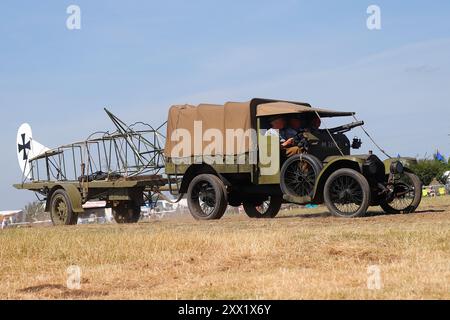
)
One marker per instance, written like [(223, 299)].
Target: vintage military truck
[(216, 155), (253, 171)]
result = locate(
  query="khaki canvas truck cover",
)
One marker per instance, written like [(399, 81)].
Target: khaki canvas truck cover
[(235, 116), (220, 118)]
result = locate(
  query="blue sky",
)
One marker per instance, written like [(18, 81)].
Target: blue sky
[(140, 57)]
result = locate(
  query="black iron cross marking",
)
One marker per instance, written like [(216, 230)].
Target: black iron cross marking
[(23, 147)]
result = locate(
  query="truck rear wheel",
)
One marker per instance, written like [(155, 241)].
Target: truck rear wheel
[(61, 211), (206, 197), (267, 209), (299, 174), (347, 194), (127, 212)]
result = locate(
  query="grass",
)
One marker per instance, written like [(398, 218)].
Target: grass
[(303, 254)]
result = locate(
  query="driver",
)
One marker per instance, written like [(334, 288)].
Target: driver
[(296, 130), (278, 128), (295, 126)]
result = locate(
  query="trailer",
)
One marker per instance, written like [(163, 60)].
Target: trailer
[(123, 168)]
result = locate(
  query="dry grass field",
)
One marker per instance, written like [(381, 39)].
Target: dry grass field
[(304, 254)]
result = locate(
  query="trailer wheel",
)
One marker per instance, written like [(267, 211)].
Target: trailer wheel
[(206, 197), (267, 209), (407, 195), (347, 194), (126, 212), (61, 211)]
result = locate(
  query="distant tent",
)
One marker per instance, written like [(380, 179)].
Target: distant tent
[(435, 182)]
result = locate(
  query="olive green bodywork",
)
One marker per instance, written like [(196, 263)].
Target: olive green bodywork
[(407, 162), (328, 150)]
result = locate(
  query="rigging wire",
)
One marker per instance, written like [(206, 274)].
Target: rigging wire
[(331, 136), (373, 141)]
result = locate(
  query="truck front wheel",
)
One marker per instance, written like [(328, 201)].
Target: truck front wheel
[(347, 194), (407, 195), (206, 197)]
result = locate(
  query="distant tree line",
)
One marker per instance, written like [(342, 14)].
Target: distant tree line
[(428, 170), (35, 211)]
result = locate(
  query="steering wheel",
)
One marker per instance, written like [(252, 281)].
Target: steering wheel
[(300, 140)]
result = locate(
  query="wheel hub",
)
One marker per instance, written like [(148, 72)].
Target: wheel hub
[(208, 197), (61, 210)]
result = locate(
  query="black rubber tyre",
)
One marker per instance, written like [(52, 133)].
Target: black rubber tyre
[(206, 197), (299, 174), (127, 212), (347, 194), (268, 209), (61, 211), (406, 203)]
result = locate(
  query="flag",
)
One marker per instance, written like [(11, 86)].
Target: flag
[(439, 157)]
